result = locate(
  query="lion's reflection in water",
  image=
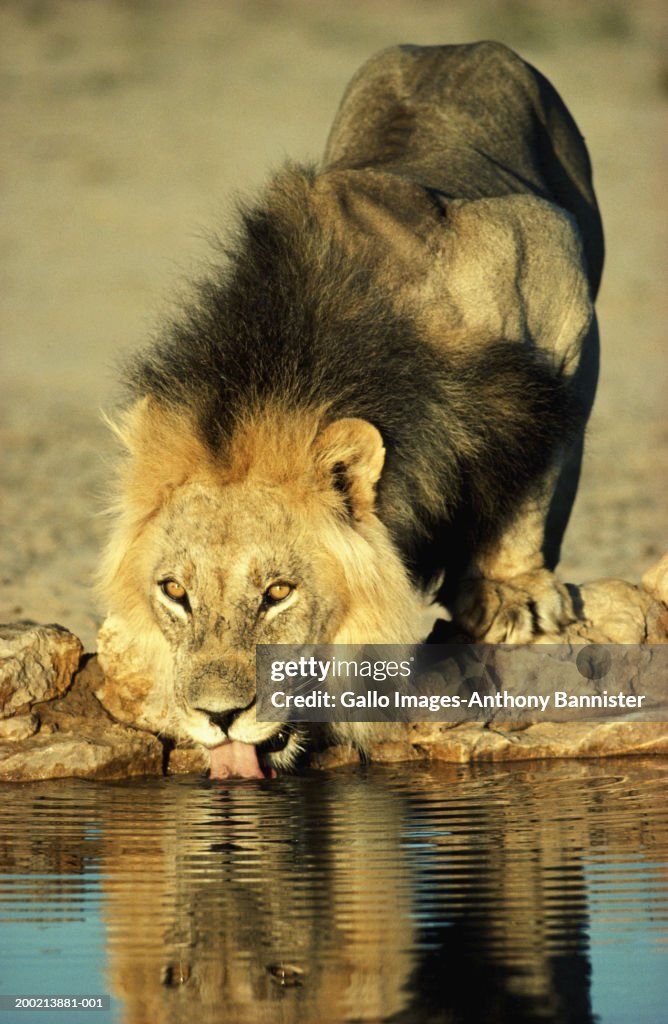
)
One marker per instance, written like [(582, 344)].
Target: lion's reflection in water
[(284, 901), (445, 894)]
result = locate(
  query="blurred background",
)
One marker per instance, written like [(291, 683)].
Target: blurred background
[(129, 126)]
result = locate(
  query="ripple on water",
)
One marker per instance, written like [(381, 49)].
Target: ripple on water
[(453, 893)]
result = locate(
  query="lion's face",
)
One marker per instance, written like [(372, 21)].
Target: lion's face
[(202, 570), (225, 570)]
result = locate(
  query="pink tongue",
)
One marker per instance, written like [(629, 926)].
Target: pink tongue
[(235, 760)]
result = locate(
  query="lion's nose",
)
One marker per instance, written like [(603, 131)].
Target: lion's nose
[(223, 719)]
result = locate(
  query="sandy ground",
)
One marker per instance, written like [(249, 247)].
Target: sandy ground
[(127, 129)]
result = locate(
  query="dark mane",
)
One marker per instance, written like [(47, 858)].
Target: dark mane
[(291, 318)]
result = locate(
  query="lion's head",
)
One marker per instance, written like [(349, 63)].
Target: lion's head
[(273, 541)]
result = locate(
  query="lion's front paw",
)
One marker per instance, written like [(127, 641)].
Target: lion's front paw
[(513, 611)]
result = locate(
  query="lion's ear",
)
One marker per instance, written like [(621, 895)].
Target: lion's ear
[(163, 451), (349, 454)]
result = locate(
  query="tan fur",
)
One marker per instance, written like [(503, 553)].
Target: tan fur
[(265, 499), (440, 265)]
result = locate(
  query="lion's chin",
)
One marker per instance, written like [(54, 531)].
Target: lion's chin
[(236, 760)]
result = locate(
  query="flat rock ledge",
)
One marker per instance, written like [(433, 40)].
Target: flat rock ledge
[(75, 737), (52, 724)]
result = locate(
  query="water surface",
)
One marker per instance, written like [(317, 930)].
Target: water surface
[(519, 893)]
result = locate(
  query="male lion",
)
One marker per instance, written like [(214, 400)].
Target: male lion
[(383, 390)]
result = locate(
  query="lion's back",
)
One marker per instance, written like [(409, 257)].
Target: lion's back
[(468, 121)]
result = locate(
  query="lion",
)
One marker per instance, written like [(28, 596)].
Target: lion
[(379, 398)]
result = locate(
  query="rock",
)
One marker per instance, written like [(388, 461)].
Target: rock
[(655, 580), (474, 742), (334, 757), (57, 727), (657, 624), (18, 727), (36, 664), (81, 757), (77, 738), (610, 612), (392, 751), (184, 760)]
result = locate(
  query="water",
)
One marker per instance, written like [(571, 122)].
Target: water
[(519, 893)]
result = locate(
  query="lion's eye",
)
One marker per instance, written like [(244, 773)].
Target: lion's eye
[(278, 592), (175, 591)]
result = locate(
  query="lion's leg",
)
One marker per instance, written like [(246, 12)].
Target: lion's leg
[(561, 504), (509, 593)]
